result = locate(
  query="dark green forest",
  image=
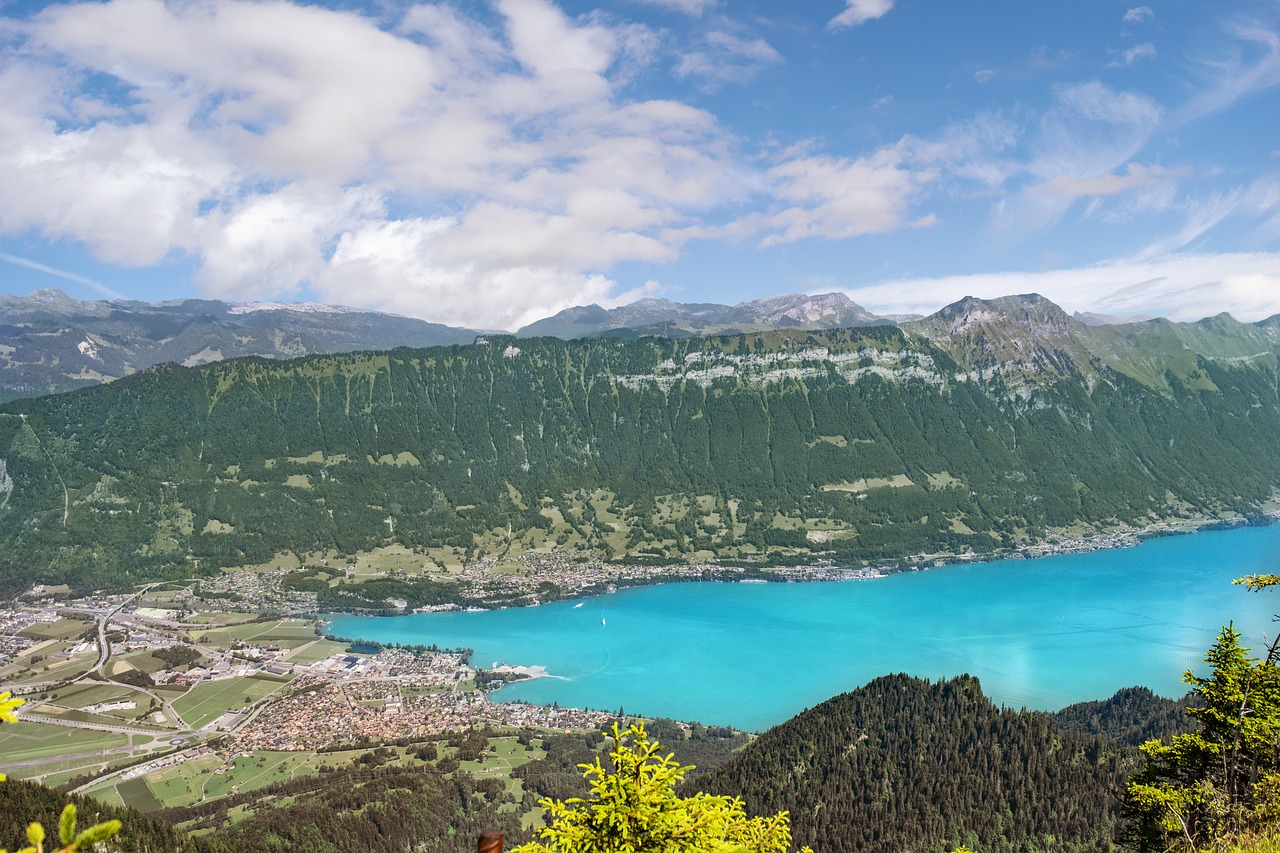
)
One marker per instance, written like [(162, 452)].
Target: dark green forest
[(852, 445), (904, 764)]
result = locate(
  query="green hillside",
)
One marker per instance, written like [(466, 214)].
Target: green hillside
[(877, 444), (908, 765)]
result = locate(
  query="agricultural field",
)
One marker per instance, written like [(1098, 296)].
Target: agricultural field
[(315, 651), (63, 629), (208, 701), (283, 633)]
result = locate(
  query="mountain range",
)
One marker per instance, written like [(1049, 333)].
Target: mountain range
[(51, 343), (987, 427)]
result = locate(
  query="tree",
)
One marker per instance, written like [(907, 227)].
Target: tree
[(634, 809), (1221, 784)]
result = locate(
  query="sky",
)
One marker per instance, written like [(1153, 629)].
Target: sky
[(485, 163)]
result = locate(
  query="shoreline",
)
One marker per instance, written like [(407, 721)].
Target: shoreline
[(818, 570)]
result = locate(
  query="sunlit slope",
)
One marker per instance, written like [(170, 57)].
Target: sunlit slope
[(873, 443)]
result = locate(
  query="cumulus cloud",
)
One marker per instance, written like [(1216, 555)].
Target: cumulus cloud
[(858, 12), (1180, 287), (445, 168), (1139, 14), (838, 198)]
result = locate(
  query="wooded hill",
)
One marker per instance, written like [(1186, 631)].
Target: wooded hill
[(977, 429), (909, 765)]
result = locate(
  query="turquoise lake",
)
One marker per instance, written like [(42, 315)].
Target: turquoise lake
[(1039, 633)]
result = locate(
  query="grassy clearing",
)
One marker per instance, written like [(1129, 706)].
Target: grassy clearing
[(144, 662), (259, 769), (57, 669), (897, 481), (314, 651), (209, 700)]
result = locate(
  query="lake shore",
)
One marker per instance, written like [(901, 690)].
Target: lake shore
[(574, 579), (1039, 633)]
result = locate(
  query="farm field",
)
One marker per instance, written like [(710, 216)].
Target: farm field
[(286, 634), (208, 701), (63, 629)]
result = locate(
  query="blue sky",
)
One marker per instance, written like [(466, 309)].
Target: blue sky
[(489, 163)]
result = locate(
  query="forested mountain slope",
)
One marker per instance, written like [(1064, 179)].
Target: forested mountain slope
[(905, 764), (975, 430)]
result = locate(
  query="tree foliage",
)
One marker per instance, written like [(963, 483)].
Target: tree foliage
[(634, 808), (1218, 785)]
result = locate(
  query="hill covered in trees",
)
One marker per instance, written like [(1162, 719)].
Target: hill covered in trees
[(976, 430), (906, 764)]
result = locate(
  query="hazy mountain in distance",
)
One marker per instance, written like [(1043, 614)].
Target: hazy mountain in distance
[(50, 342), (1092, 318), (665, 318)]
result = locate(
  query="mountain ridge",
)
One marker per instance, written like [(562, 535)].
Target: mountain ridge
[(869, 445)]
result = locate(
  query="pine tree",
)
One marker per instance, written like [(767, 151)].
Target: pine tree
[(1221, 784)]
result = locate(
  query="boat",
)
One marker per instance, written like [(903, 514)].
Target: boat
[(579, 604)]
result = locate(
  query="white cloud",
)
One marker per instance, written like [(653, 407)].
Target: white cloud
[(284, 146), (1180, 287), (858, 12), (1134, 54), (1139, 14), (27, 263), (1136, 176), (1235, 74), (837, 198), (1077, 145), (689, 7), (723, 57), (1096, 102)]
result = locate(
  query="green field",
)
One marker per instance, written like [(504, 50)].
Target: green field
[(319, 650), (209, 700), (63, 629), (138, 794), (91, 693), (25, 741), (284, 634), (258, 769), (143, 661)]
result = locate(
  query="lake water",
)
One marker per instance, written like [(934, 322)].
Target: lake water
[(1038, 633)]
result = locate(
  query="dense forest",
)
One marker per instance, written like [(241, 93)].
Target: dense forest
[(854, 445), (27, 802), (909, 765)]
